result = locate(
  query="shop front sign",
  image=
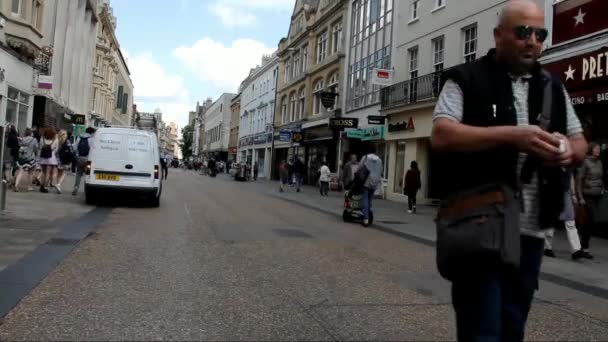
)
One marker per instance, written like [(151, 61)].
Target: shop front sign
[(376, 120), (402, 126), (578, 18), (285, 135), (383, 77), (343, 123), (257, 139), (297, 137), (232, 150), (366, 134), (585, 76), (78, 119)]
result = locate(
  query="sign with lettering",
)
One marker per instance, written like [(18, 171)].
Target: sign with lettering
[(78, 119), (366, 134), (577, 18), (376, 119), (285, 135), (342, 123), (328, 98), (584, 76), (383, 77), (297, 137), (402, 126)]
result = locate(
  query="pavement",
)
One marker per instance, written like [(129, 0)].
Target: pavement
[(221, 260), (32, 218)]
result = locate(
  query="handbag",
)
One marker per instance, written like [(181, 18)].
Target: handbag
[(580, 215), (478, 229)]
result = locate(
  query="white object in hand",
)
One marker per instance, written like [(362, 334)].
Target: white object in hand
[(562, 146)]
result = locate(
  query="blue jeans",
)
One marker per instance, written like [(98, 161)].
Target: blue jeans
[(494, 306), (367, 195)]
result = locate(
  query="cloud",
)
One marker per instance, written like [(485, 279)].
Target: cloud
[(235, 13), (155, 87), (225, 67), (232, 17)]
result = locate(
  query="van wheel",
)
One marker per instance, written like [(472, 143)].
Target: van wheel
[(155, 202), (89, 197)]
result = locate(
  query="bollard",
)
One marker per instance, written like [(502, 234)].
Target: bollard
[(3, 195)]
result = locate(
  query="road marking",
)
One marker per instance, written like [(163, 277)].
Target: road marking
[(188, 213)]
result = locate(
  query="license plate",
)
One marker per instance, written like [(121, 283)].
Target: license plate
[(106, 177)]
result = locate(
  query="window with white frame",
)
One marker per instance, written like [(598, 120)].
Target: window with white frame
[(413, 62), (293, 107), (439, 3), (304, 58), (284, 109), (336, 43), (332, 86), (17, 7), (17, 108), (438, 52), (302, 104), (414, 9), (321, 47), (319, 86), (470, 43)]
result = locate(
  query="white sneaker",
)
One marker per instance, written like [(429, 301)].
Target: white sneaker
[(58, 188), (409, 211)]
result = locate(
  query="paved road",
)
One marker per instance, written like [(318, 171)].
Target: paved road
[(221, 261)]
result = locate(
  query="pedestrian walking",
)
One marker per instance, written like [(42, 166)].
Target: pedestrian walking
[(49, 146), (324, 176), (590, 188), (255, 171), (350, 168), (568, 217), (369, 175), (164, 162), (84, 144), (298, 173), (28, 150), (66, 156), (412, 185), (488, 130), (283, 175), (12, 147)]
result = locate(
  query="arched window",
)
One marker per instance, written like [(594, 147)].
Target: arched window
[(332, 86), (319, 86)]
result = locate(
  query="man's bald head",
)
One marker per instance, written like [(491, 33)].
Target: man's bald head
[(517, 9), (517, 42)]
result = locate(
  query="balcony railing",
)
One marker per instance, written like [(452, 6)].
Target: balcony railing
[(419, 89)]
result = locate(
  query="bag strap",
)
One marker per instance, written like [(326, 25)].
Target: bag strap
[(544, 118)]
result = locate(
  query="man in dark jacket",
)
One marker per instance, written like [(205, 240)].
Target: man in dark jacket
[(486, 120), (298, 172)]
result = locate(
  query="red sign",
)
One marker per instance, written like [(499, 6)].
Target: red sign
[(383, 74), (582, 72), (577, 18), (232, 150)]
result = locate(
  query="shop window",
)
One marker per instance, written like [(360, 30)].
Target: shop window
[(399, 167), (17, 108)]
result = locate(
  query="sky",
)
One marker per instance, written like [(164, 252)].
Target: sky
[(183, 51)]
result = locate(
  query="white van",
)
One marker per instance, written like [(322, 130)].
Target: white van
[(124, 160)]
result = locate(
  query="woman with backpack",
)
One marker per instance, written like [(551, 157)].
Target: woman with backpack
[(66, 157), (26, 163), (48, 158)]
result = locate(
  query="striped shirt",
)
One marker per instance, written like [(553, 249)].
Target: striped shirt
[(450, 106)]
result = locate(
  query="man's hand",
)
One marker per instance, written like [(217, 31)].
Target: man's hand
[(533, 140)]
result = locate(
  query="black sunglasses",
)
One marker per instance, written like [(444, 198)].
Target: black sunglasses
[(524, 32)]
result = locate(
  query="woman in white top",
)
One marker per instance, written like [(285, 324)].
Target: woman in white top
[(48, 158), (324, 179)]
